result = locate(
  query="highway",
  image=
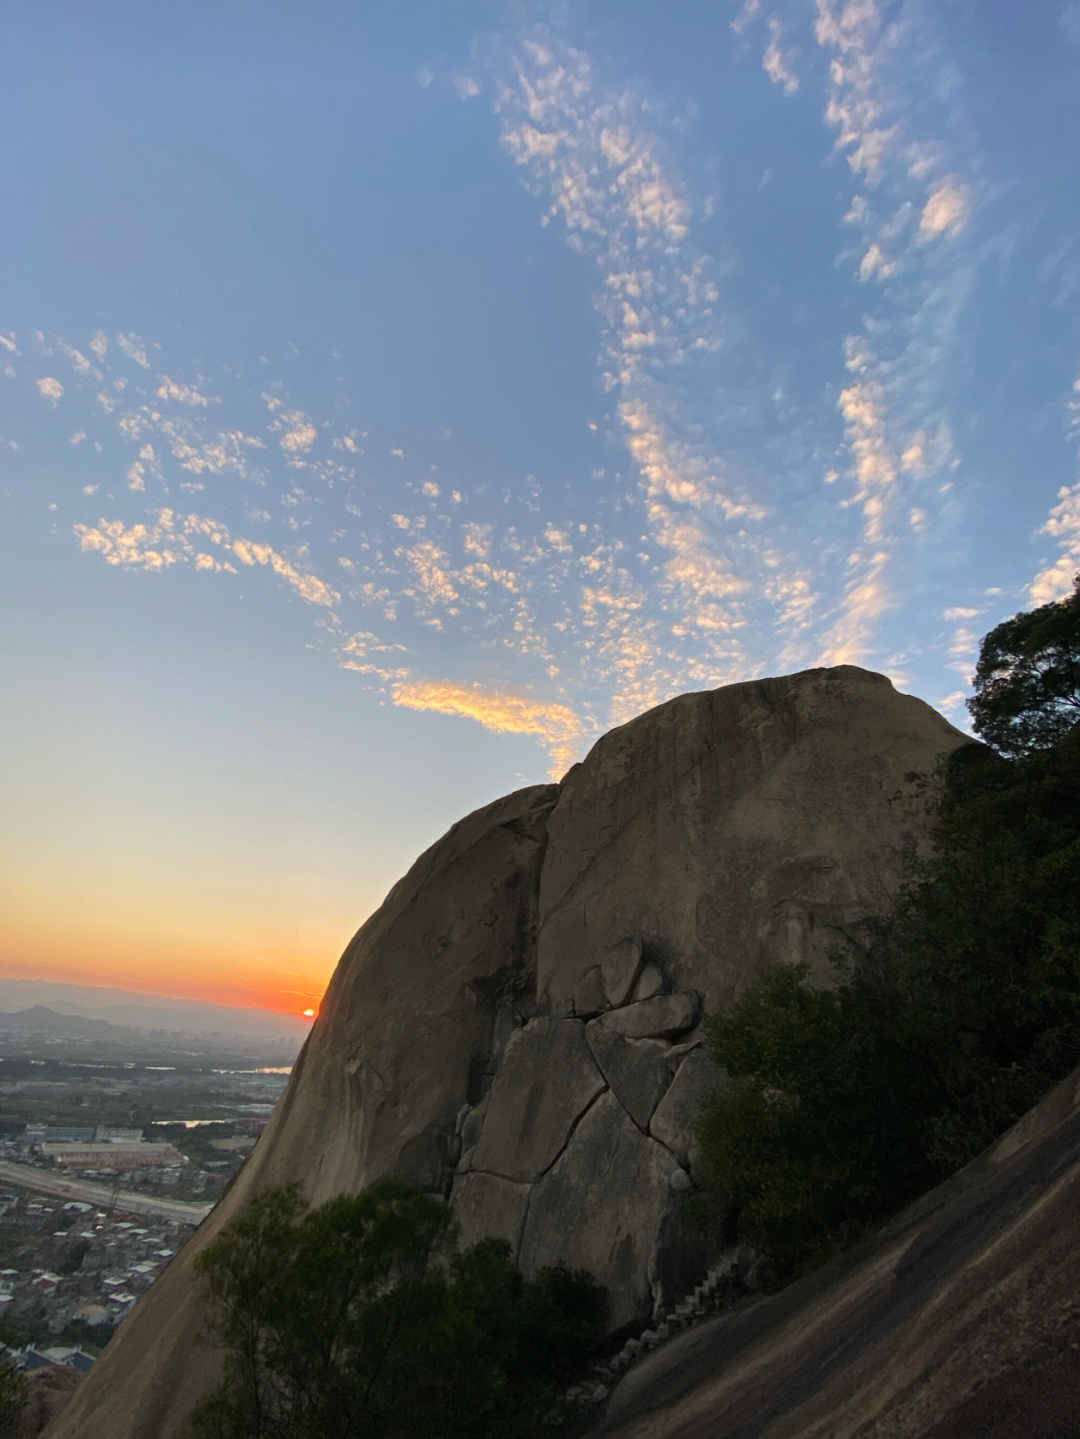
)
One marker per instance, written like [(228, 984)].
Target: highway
[(47, 1181)]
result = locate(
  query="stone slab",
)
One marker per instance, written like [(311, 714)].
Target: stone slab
[(663, 1017), (489, 1207), (675, 1120), (621, 1180), (637, 1070), (547, 1078)]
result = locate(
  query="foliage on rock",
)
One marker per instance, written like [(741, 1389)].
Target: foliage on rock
[(362, 1317), (950, 1016)]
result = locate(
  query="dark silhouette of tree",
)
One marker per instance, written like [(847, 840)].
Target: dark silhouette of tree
[(1027, 682)]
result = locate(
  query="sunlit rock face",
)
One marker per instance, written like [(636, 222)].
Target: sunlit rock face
[(517, 1027)]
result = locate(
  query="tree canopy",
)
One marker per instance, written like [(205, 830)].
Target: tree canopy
[(362, 1318), (1027, 681)]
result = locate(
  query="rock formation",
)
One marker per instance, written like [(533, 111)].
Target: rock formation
[(960, 1318), (517, 1026)]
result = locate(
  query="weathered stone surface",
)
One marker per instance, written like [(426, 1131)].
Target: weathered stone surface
[(960, 1317), (589, 996), (735, 826), (637, 1070), (675, 1121), (601, 1206), (488, 1206), (650, 982), (621, 967), (547, 1078), (663, 1017)]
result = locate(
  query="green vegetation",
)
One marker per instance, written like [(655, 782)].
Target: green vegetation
[(363, 1317), (12, 1389), (951, 1015)]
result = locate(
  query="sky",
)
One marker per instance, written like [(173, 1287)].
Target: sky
[(395, 398)]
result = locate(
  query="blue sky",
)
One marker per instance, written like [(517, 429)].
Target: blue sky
[(392, 399)]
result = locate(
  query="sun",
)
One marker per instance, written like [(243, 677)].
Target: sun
[(309, 1014)]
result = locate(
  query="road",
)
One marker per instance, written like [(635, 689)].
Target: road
[(46, 1181)]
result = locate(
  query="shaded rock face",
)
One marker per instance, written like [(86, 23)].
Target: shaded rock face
[(516, 1026), (959, 1318)]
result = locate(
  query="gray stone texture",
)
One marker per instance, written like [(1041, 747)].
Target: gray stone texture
[(738, 825), (547, 1078), (487, 1206), (589, 995), (650, 982), (601, 1207), (675, 1119), (621, 967), (661, 1018), (638, 1071)]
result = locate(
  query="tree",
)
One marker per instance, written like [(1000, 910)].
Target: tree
[(1027, 681), (361, 1317)]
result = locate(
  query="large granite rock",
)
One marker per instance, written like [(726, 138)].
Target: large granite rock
[(735, 826), (713, 833)]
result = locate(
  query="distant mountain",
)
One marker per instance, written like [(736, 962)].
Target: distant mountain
[(121, 1009)]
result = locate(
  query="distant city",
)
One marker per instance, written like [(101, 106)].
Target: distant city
[(117, 1135)]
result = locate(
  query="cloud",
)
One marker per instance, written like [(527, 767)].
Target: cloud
[(99, 344), (875, 262), (466, 87), (947, 209), (51, 388), (309, 587), (299, 433), (134, 348), (185, 394), (1063, 525), (424, 77), (429, 564), (774, 63), (503, 710), (8, 342)]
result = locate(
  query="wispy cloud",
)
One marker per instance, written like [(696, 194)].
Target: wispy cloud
[(504, 710), (134, 348), (51, 388)]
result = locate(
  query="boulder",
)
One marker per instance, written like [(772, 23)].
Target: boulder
[(546, 1080), (738, 825), (621, 967), (590, 996), (718, 831), (638, 1071), (487, 1206), (664, 1017), (601, 1206), (675, 1120)]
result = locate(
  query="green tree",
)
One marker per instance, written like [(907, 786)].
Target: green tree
[(1027, 682), (361, 1317)]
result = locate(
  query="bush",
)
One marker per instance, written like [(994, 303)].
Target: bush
[(362, 1317)]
